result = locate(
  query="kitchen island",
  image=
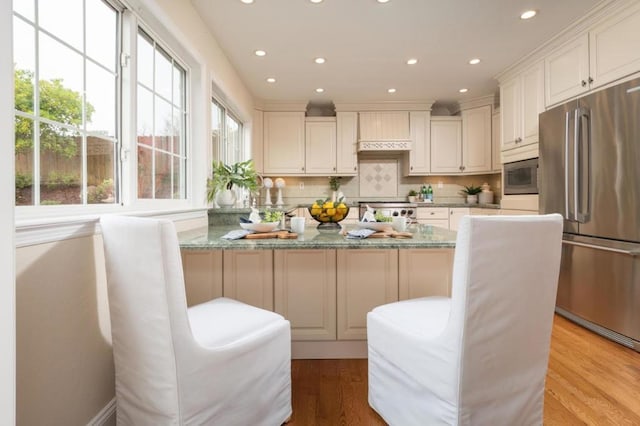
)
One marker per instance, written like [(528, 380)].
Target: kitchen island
[(322, 282)]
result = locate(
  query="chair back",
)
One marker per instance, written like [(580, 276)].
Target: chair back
[(503, 299), (148, 311)]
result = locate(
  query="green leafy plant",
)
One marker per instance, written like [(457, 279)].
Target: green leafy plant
[(412, 193), (223, 176), (334, 183), (471, 190), (23, 180), (101, 192), (271, 216)]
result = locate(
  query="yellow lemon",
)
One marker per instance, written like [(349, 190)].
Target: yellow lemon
[(316, 211), (328, 205), (331, 212), (315, 206)]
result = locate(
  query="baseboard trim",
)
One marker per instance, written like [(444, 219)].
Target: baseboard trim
[(104, 415), (333, 349)]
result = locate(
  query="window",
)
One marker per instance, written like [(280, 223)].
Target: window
[(161, 119), (226, 134), (66, 91), (71, 78)]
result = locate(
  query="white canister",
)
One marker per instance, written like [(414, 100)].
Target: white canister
[(485, 197)]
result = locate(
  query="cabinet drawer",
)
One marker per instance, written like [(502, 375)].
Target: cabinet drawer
[(432, 213)]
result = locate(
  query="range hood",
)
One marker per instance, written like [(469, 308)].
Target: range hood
[(384, 131), (368, 146)]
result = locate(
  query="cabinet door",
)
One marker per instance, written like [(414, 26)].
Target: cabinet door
[(248, 277), (366, 278), (567, 71), (532, 102), (420, 154), (510, 112), (320, 147), (202, 275), (284, 143), (476, 140), (305, 292), (614, 47), (347, 143), (424, 273), (455, 214), (446, 146), (496, 163)]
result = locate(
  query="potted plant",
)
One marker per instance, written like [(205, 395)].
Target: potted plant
[(412, 196), (220, 186), (471, 192)]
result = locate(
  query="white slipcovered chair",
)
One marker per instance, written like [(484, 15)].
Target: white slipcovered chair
[(479, 357), (218, 363)]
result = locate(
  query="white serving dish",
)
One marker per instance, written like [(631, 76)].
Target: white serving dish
[(260, 227), (376, 226)]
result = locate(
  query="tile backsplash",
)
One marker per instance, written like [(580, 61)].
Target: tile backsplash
[(381, 179)]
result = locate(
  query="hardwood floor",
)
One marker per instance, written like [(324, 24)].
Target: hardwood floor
[(591, 381)]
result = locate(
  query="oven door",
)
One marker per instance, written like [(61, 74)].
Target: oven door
[(521, 177)]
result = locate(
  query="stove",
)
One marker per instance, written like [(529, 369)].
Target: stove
[(390, 208)]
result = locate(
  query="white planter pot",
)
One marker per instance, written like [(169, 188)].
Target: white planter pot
[(472, 199), (226, 198)]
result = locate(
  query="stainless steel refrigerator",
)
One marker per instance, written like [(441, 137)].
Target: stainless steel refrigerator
[(589, 171)]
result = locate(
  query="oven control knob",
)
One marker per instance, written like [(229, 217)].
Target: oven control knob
[(395, 213), (403, 212), (410, 212)]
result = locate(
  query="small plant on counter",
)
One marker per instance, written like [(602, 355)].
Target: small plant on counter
[(225, 177), (334, 183), (471, 190), (412, 193), (271, 216)]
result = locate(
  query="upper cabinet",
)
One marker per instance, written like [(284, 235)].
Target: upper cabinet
[(384, 126), (609, 51), (284, 144), (420, 155), (522, 100), (347, 143), (496, 163), (446, 145), (476, 140), (320, 145)]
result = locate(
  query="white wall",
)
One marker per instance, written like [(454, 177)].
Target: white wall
[(7, 251)]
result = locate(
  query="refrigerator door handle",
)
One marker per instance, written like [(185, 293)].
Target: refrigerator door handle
[(603, 248), (583, 192), (567, 213), (576, 161)]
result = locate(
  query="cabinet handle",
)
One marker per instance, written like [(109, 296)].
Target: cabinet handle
[(334, 169), (590, 80), (355, 168), (303, 169), (411, 167), (432, 213), (518, 140), (583, 83)]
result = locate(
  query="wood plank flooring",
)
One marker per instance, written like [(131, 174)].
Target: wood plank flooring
[(591, 381)]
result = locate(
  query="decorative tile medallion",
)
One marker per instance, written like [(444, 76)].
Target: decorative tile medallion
[(378, 178)]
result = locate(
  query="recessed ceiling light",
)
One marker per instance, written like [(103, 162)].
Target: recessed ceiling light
[(528, 14), (412, 61), (474, 61), (463, 90), (260, 52), (383, 1), (319, 60), (316, 1), (319, 90), (271, 80), (247, 1), (391, 90)]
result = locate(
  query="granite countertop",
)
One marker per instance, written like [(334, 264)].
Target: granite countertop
[(471, 206), (424, 236)]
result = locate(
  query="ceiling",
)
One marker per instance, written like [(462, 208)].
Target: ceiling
[(366, 45)]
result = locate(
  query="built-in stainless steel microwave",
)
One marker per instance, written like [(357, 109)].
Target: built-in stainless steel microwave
[(521, 177)]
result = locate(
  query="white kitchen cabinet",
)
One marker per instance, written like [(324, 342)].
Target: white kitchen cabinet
[(455, 214), (257, 141), (384, 126), (320, 146), (202, 275), (435, 216), (347, 143), (496, 163), (420, 153), (522, 100), (446, 145), (567, 71), (284, 144), (614, 47), (424, 273), (366, 278), (476, 140), (248, 277), (305, 292)]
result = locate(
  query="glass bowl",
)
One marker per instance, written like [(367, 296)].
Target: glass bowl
[(329, 214)]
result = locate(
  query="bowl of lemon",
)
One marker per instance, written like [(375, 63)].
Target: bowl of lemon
[(328, 213)]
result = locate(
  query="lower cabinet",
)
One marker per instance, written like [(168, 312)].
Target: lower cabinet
[(202, 275), (455, 214), (248, 277), (366, 278), (424, 272), (305, 292)]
